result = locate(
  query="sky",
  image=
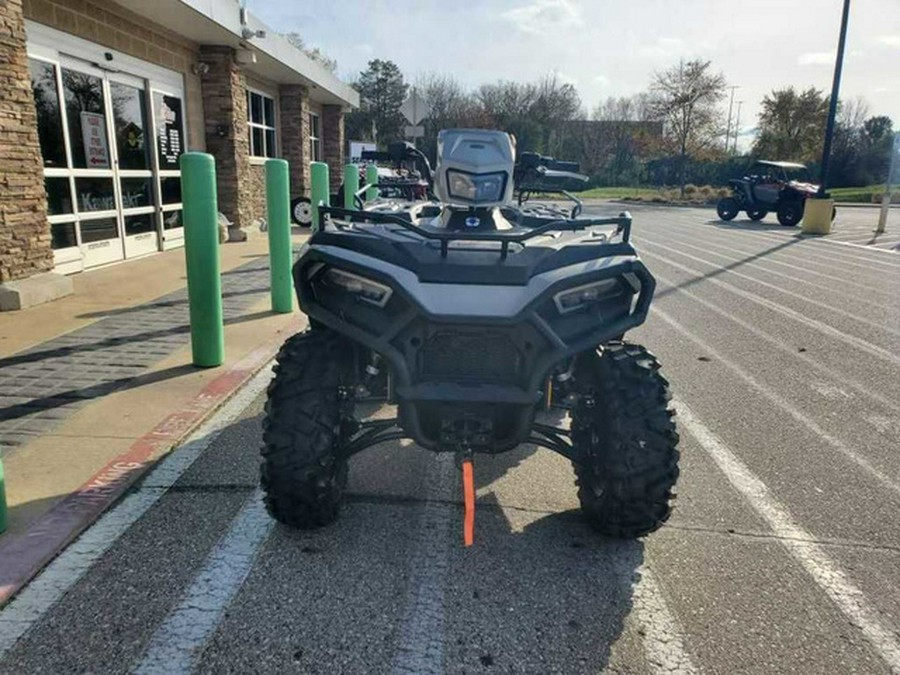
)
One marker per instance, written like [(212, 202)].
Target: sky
[(612, 47)]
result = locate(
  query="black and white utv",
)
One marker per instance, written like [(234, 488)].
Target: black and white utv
[(472, 314)]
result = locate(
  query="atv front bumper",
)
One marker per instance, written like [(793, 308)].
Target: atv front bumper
[(470, 361)]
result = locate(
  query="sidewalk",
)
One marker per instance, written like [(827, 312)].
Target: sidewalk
[(84, 379)]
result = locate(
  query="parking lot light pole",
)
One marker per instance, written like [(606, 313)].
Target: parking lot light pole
[(818, 210)]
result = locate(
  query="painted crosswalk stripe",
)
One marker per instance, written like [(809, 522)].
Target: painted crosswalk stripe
[(179, 640), (811, 556)]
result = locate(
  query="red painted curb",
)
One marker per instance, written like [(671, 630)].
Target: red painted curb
[(23, 555)]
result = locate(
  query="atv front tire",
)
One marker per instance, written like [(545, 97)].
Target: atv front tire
[(624, 433), (756, 214), (790, 212), (727, 208), (302, 473)]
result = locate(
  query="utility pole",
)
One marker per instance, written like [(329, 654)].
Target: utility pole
[(737, 127), (832, 109), (728, 126)]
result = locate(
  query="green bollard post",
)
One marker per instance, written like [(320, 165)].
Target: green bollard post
[(280, 255), (3, 522), (201, 252), (351, 185), (371, 179), (321, 191)]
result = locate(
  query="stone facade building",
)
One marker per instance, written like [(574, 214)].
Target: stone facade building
[(99, 98)]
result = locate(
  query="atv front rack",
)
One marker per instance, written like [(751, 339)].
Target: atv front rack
[(622, 223)]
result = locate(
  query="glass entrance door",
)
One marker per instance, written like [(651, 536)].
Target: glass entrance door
[(134, 174), (87, 106), (168, 127)]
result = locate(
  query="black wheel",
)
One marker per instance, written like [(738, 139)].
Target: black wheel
[(756, 214), (790, 212), (727, 208), (302, 473), (301, 211), (624, 431)]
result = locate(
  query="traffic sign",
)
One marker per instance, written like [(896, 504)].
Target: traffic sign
[(414, 132), (415, 108)]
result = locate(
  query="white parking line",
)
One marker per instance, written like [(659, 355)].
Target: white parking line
[(72, 564), (179, 640), (781, 289), (781, 403), (791, 350), (660, 633), (827, 575), (853, 340)]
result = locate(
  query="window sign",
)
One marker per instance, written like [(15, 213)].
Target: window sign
[(168, 130), (93, 132)]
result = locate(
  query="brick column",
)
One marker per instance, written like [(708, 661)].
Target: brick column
[(294, 109), (225, 109), (24, 232), (333, 143)]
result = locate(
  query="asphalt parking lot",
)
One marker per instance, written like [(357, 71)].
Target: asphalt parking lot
[(783, 554)]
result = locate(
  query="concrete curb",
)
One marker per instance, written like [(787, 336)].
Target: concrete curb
[(23, 555)]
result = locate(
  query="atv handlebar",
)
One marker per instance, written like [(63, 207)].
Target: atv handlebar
[(622, 223)]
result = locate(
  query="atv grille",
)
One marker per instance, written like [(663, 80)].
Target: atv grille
[(484, 357)]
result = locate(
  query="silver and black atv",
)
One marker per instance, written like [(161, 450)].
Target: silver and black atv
[(473, 313)]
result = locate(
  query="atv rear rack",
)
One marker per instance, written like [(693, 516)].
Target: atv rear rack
[(622, 223)]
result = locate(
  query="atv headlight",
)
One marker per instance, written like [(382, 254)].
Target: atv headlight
[(476, 187), (363, 289), (575, 298)]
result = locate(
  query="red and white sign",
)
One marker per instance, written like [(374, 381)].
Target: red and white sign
[(96, 147)]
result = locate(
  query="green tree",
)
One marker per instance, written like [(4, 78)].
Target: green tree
[(686, 98), (381, 92), (792, 125)]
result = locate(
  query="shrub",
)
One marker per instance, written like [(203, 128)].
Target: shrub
[(690, 190)]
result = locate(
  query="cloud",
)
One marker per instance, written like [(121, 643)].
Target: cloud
[(890, 40), (816, 59), (541, 16), (824, 58), (664, 48)]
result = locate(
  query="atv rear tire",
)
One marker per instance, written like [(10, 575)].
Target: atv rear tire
[(624, 432), (727, 208), (756, 214), (302, 474), (790, 213)]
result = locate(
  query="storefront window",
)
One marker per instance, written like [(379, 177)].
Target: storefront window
[(87, 122), (62, 235), (49, 117), (315, 142), (95, 194), (172, 220), (171, 190), (169, 142), (136, 192), (59, 196), (98, 230), (139, 224), (261, 120), (129, 114)]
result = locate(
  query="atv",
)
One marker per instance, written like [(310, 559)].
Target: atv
[(471, 314), (782, 187)]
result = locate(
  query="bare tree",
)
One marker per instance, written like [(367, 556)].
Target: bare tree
[(686, 98)]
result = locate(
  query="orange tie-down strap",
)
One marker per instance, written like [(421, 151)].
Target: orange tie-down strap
[(468, 473)]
